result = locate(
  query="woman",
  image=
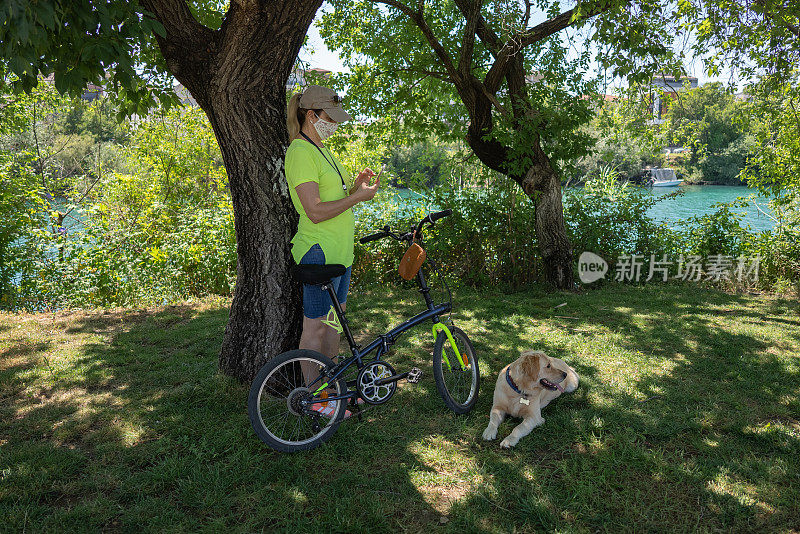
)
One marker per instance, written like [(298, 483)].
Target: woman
[(319, 191)]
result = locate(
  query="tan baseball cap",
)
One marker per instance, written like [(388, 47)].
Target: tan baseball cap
[(319, 97)]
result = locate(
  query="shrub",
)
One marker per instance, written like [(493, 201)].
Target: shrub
[(610, 218)]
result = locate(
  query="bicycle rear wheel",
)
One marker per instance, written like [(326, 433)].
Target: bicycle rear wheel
[(275, 402), (458, 387)]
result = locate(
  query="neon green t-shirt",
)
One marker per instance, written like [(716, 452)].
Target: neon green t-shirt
[(304, 163)]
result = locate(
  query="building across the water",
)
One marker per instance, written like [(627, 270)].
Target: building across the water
[(665, 88)]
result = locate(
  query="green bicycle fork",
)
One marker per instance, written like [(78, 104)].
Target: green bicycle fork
[(441, 326)]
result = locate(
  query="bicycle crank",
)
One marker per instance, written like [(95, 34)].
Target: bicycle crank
[(413, 376), (372, 382)]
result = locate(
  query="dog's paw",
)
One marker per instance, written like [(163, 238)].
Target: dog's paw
[(490, 433), (508, 443)]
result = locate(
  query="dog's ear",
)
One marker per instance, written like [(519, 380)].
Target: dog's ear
[(529, 364)]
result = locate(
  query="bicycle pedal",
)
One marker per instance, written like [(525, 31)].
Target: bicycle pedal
[(414, 375)]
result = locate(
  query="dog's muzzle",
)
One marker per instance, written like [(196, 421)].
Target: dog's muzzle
[(552, 386)]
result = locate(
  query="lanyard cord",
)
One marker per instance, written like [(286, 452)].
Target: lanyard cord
[(335, 167)]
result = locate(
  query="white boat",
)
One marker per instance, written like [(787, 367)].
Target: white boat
[(664, 178)]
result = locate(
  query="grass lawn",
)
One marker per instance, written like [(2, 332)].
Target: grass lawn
[(687, 419)]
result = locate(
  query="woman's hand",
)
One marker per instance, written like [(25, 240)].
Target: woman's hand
[(364, 191), (363, 177)]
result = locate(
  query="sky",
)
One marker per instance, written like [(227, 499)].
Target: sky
[(322, 57)]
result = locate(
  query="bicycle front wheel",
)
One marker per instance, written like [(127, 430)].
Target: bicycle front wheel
[(276, 402), (457, 385)]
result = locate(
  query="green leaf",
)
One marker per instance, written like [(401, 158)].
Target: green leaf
[(47, 14)]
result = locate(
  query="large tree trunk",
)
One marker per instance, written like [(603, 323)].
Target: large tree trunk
[(265, 315), (238, 76), (543, 186)]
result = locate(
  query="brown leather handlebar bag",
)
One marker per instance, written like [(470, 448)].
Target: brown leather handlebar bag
[(411, 262)]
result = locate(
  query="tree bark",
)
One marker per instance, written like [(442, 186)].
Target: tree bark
[(238, 76), (543, 186), (265, 315)]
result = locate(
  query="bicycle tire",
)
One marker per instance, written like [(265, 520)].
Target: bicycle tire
[(440, 373), (283, 375)]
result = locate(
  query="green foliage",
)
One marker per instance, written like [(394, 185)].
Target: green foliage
[(21, 211), (753, 37), (486, 242), (32, 131), (719, 232), (623, 138), (422, 164), (177, 154), (709, 121), (726, 166), (411, 80), (774, 116), (97, 119), (357, 149), (376, 262), (81, 42), (779, 253), (380, 83), (774, 170), (162, 230), (609, 218), (104, 266)]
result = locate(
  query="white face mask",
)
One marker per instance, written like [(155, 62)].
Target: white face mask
[(324, 128)]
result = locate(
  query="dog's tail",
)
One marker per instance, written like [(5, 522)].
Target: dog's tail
[(570, 383)]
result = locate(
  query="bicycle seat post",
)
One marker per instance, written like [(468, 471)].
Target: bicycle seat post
[(342, 319)]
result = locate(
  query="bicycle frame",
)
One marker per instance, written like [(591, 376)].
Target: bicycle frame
[(382, 343)]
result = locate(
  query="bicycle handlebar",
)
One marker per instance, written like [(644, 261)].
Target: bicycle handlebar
[(440, 214), (386, 232), (375, 236), (432, 217)]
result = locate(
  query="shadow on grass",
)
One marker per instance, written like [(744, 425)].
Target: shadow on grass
[(679, 423), (141, 431), (704, 441)]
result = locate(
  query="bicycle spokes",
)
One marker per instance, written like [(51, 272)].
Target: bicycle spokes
[(285, 403)]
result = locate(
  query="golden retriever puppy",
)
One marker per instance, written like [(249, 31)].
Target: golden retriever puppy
[(523, 388)]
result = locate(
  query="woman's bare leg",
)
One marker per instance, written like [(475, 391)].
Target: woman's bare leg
[(312, 338), (330, 342), (319, 337)]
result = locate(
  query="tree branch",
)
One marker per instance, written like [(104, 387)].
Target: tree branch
[(486, 35), (472, 14), (547, 28), (178, 21), (527, 14), (533, 35), (419, 19), (185, 45)]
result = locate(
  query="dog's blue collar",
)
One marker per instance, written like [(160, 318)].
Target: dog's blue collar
[(512, 384)]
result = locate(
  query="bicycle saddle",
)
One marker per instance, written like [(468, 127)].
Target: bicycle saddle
[(317, 274)]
